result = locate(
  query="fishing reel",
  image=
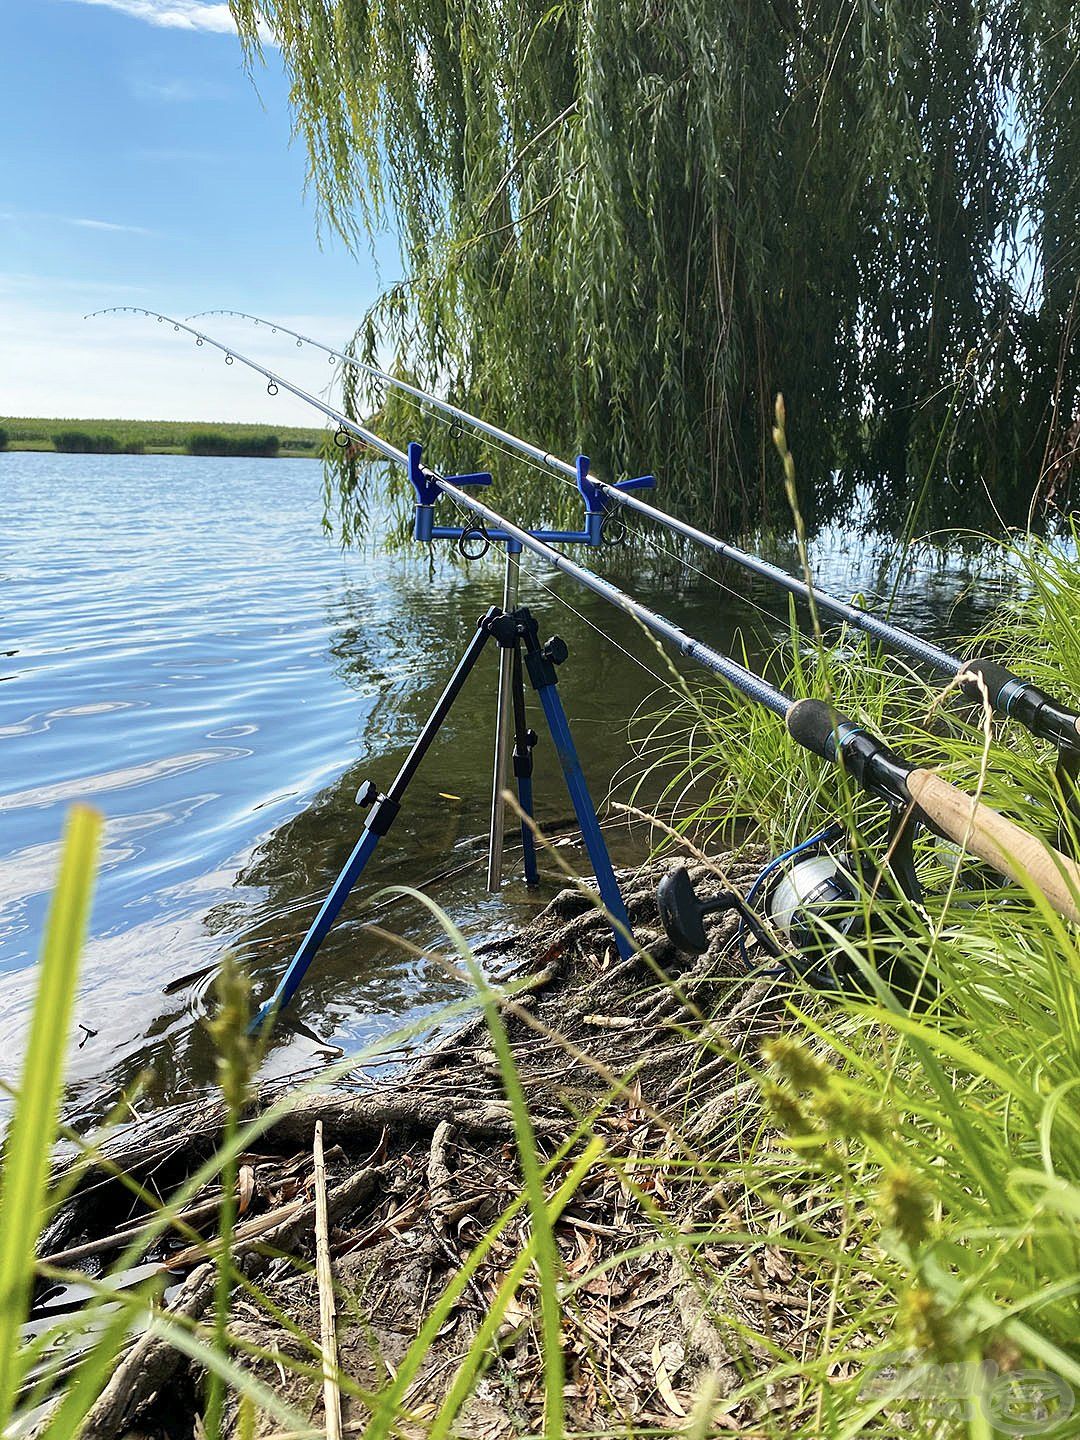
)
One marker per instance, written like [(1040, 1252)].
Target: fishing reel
[(800, 905), (802, 897)]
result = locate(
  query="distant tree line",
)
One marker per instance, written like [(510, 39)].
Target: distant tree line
[(213, 442), (80, 442), (204, 442), (3, 438)]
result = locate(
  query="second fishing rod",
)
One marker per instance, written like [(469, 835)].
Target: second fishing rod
[(910, 792), (981, 677)]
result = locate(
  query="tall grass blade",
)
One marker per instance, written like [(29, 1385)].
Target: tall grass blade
[(26, 1165)]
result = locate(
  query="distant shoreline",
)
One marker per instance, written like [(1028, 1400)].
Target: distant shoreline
[(159, 437)]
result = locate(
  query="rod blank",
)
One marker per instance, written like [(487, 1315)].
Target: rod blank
[(1002, 843), (742, 679), (1008, 694)]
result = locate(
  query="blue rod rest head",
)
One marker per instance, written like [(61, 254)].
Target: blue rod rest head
[(593, 497), (427, 492), (596, 502)]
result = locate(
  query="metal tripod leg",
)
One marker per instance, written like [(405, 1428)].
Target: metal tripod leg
[(384, 809), (524, 740), (503, 710)]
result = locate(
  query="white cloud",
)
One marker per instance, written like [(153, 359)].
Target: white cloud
[(85, 224), (175, 14), (176, 90), (179, 155), (206, 15), (81, 222), (19, 283)]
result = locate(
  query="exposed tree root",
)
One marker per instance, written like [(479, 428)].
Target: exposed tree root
[(643, 1054)]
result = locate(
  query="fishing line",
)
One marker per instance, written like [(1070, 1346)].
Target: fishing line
[(814, 724), (424, 408), (546, 463)]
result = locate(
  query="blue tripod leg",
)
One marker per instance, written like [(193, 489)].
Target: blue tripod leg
[(524, 740), (541, 666), (320, 928), (384, 810), (528, 839)]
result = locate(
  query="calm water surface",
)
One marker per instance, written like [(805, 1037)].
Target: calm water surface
[(182, 647)]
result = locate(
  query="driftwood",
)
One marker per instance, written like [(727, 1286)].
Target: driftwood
[(327, 1307), (149, 1364), (152, 1361), (120, 1238)]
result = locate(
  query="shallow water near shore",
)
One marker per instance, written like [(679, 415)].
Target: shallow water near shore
[(182, 646)]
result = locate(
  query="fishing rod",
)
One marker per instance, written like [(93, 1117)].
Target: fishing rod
[(590, 534), (980, 677), (912, 794)]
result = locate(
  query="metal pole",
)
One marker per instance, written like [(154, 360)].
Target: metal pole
[(503, 727)]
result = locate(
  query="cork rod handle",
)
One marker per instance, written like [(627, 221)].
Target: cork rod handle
[(1011, 850)]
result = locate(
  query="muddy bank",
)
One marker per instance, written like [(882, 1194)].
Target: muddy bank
[(641, 1055)]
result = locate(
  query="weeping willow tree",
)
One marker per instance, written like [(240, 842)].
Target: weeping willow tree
[(625, 226)]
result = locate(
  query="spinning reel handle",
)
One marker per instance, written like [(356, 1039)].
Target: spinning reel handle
[(683, 914)]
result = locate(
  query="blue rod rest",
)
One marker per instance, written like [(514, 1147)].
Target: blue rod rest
[(427, 490), (596, 502)]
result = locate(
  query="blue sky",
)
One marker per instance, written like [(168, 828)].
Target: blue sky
[(142, 165)]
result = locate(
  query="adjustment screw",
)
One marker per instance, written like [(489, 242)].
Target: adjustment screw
[(367, 794), (556, 650)]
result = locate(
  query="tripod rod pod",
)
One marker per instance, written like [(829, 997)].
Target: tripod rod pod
[(517, 633)]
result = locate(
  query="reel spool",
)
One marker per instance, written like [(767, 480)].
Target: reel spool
[(810, 895)]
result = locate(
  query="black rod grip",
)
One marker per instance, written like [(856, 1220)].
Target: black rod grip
[(814, 724), (1022, 701), (994, 676)]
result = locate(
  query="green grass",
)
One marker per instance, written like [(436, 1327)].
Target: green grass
[(930, 1175), (22, 1194), (157, 437), (921, 1170)]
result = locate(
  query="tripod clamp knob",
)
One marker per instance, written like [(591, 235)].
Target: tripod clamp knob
[(383, 811), (367, 794), (555, 651)]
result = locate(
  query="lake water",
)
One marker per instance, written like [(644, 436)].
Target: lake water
[(182, 647)]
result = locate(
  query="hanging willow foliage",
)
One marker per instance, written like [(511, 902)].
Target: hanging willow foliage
[(625, 226)]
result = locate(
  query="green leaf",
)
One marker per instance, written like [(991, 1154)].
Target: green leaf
[(33, 1129)]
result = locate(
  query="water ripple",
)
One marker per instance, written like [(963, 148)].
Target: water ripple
[(185, 648)]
